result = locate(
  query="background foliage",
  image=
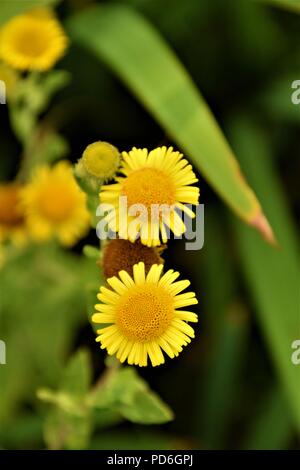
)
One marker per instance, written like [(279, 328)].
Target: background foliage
[(235, 386)]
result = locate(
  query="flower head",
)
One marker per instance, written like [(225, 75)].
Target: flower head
[(161, 178), (55, 205), (33, 40), (99, 163), (101, 160), (12, 222), (143, 315), (121, 255)]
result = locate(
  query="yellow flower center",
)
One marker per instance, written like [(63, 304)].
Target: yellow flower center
[(149, 186), (56, 203), (101, 159), (10, 214), (32, 40), (145, 313)]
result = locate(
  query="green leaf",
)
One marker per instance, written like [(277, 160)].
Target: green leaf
[(66, 402), (10, 8), (38, 342), (133, 48), (78, 374), (220, 386), (66, 431), (31, 97), (125, 392), (68, 424), (276, 99), (272, 275), (292, 5), (92, 252), (73, 387), (146, 409), (272, 427), (136, 439)]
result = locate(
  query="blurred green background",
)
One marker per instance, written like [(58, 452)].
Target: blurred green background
[(235, 386)]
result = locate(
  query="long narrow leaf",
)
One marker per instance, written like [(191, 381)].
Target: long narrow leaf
[(127, 43), (272, 275), (272, 427)]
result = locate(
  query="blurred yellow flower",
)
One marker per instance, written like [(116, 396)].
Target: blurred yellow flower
[(160, 178), (12, 222), (9, 77), (55, 205), (144, 316), (32, 41)]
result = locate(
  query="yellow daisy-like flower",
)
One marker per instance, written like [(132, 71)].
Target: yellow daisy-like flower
[(12, 223), (55, 205), (33, 40), (162, 179), (144, 315)]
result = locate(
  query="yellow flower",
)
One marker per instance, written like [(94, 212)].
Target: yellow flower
[(12, 222), (55, 205), (9, 77), (32, 41), (160, 178), (144, 316)]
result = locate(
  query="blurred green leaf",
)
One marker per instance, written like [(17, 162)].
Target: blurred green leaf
[(276, 99), (68, 424), (67, 431), (91, 252), (137, 53), (10, 8), (66, 402), (127, 393), (214, 258), (271, 428), (293, 5), (31, 97), (135, 440), (78, 375), (24, 431), (73, 387), (272, 275), (221, 384), (42, 305)]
